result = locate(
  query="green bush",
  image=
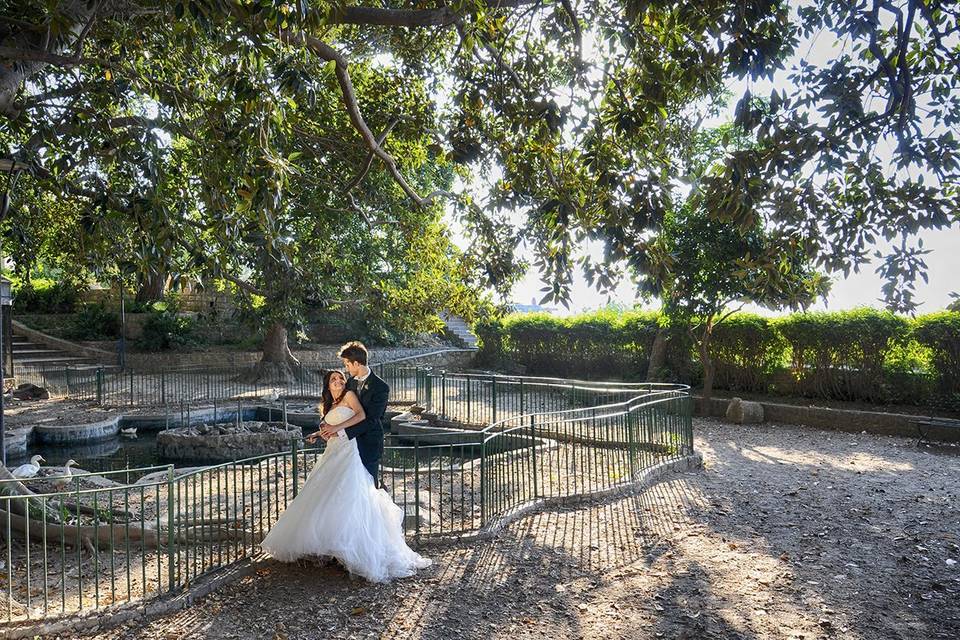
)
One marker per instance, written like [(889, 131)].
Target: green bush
[(939, 334), (164, 330), (863, 355), (93, 322), (747, 350), (490, 338), (604, 344), (46, 296), (843, 355)]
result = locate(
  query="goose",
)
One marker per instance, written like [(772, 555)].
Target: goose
[(63, 483), (29, 469)]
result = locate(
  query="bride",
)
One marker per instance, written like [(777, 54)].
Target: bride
[(339, 511)]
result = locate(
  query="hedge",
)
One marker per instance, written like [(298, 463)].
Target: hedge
[(45, 296), (862, 355)]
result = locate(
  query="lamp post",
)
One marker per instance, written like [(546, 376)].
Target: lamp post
[(5, 301), (13, 169), (122, 346)]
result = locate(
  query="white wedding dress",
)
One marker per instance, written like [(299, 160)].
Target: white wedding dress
[(340, 513)]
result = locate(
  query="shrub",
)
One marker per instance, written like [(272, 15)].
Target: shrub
[(490, 338), (46, 296), (93, 322), (604, 344), (843, 355), (165, 330), (746, 350), (939, 333)]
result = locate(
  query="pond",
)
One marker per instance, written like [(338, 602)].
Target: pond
[(122, 452)]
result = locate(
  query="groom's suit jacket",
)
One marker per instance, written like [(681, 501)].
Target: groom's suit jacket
[(373, 393)]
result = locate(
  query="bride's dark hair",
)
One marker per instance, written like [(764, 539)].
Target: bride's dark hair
[(326, 396)]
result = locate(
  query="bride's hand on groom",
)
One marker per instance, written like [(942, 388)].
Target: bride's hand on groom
[(326, 432)]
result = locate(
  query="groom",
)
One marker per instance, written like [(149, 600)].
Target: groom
[(373, 393)]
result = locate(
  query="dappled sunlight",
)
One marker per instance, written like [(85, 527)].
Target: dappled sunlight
[(857, 461)]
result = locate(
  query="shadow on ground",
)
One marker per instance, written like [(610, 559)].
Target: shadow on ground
[(787, 533)]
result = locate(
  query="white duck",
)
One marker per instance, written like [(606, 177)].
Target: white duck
[(130, 433), (63, 483), (29, 469)]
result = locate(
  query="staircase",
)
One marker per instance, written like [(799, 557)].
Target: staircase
[(459, 330), (30, 355)]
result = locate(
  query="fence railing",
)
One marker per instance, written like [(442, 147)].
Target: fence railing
[(100, 540), (109, 386)]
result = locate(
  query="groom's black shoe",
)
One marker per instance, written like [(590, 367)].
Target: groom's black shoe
[(326, 561)]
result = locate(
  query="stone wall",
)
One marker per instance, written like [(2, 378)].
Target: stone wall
[(850, 420), (452, 360)]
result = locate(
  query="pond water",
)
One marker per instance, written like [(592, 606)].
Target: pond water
[(141, 451)]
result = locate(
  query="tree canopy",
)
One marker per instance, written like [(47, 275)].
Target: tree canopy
[(220, 115)]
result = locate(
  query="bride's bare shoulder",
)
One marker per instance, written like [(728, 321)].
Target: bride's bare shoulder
[(351, 399)]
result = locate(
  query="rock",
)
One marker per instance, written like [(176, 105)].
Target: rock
[(28, 391), (744, 412), (223, 443)]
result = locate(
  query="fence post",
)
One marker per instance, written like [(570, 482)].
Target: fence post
[(416, 485), (469, 400), (68, 380), (493, 398), (443, 393), (163, 386), (483, 482), (296, 466), (521, 398), (131, 387), (170, 536), (99, 385), (533, 454)]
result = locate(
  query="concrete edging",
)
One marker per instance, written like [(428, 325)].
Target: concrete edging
[(849, 420)]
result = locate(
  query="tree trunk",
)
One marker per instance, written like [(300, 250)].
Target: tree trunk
[(277, 363), (708, 372), (658, 355), (29, 503), (14, 73), (152, 286)]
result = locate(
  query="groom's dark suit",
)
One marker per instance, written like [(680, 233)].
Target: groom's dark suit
[(373, 393)]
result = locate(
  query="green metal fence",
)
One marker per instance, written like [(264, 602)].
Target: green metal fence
[(110, 386), (99, 541)]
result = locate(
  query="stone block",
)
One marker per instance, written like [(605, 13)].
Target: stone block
[(741, 411)]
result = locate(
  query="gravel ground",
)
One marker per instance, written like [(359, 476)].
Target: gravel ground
[(787, 533)]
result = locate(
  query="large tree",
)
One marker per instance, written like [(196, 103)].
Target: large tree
[(574, 112)]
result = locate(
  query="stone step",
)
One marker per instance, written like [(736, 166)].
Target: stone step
[(459, 329), (34, 350), (55, 359)]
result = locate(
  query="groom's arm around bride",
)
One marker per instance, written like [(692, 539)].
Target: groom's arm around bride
[(373, 394)]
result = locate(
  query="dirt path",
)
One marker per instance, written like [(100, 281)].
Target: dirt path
[(787, 533)]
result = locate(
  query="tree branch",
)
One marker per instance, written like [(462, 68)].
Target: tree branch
[(326, 52), (243, 284), (411, 18), (34, 55), (369, 162)]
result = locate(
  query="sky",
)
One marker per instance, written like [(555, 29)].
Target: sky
[(859, 289)]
